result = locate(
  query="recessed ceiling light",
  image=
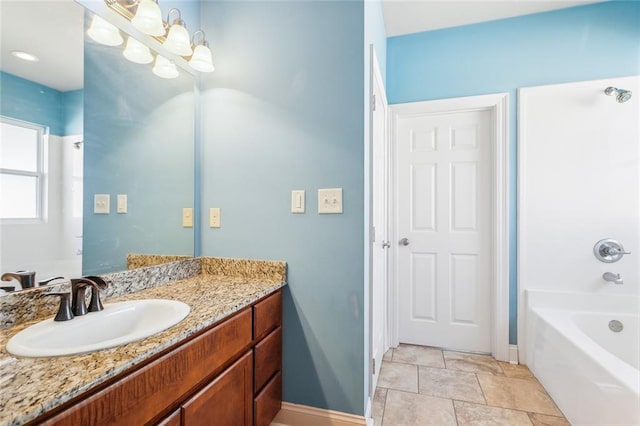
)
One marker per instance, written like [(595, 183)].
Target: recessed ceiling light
[(25, 56)]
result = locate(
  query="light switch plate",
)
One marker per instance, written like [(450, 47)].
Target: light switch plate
[(297, 201), (214, 217), (121, 203), (187, 217), (330, 201), (101, 203)]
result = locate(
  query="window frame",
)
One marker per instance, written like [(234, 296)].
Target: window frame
[(39, 174)]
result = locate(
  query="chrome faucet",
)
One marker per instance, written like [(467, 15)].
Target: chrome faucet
[(612, 277)]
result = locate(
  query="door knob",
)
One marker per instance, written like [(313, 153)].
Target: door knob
[(404, 242)]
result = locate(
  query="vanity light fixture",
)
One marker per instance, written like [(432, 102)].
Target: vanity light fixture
[(148, 18), (164, 68), (178, 37), (201, 60), (25, 56), (137, 52), (103, 32)]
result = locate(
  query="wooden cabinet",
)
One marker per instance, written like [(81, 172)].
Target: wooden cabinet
[(226, 400), (207, 380)]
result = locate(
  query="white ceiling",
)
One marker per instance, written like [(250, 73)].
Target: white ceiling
[(405, 17), (53, 31)]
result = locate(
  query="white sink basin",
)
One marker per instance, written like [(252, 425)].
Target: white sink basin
[(117, 324)]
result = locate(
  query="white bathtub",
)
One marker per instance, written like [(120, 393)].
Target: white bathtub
[(591, 372)]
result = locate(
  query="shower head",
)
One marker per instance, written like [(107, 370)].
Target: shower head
[(622, 95)]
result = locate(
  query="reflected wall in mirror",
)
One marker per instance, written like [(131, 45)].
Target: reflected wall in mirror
[(122, 130)]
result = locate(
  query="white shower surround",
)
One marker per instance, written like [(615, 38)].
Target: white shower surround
[(578, 182)]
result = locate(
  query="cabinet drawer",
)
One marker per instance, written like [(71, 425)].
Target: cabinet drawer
[(267, 404), (174, 419), (142, 395), (268, 358), (225, 401), (267, 315)]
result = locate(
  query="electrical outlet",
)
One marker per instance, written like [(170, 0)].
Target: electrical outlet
[(214, 217), (187, 217)]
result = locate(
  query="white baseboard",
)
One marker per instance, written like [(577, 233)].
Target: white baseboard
[(513, 354), (303, 415)]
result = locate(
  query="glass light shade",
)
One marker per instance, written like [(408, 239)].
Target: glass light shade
[(104, 33), (164, 68), (148, 18), (137, 52), (202, 60), (178, 41)]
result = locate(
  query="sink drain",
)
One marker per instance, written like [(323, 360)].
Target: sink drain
[(615, 326)]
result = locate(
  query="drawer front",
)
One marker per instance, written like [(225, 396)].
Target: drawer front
[(267, 315), (267, 404), (142, 395), (174, 419), (227, 400), (268, 358)]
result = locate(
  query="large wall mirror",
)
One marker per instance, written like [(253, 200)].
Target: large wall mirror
[(83, 121)]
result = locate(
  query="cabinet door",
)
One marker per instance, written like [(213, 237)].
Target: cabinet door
[(227, 400)]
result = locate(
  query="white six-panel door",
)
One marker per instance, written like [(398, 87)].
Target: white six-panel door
[(443, 193)]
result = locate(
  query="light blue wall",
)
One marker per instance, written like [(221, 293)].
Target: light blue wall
[(73, 111), (284, 111), (28, 101), (581, 43), (139, 132)]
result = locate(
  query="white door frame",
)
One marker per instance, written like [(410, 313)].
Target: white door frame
[(498, 105), (375, 77)]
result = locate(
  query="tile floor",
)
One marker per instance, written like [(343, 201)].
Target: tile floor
[(428, 386)]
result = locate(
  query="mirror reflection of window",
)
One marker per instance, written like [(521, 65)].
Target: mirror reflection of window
[(21, 170)]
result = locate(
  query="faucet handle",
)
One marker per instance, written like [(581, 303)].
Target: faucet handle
[(95, 304), (64, 311), (48, 280)]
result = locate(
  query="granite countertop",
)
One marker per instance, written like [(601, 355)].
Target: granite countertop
[(31, 386)]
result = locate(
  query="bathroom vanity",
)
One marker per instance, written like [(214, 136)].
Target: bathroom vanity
[(220, 365)]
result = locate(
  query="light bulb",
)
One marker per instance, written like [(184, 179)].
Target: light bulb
[(202, 60), (137, 52), (164, 68), (178, 40), (104, 33), (148, 18)]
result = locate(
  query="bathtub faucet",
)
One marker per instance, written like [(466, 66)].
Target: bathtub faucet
[(612, 277)]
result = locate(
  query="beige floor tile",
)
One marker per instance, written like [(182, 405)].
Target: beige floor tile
[(421, 355), (388, 355), (452, 384), (520, 394), (399, 376), (409, 409), (481, 415), (377, 407), (517, 371), (542, 420), (472, 363)]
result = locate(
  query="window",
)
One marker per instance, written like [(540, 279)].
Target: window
[(21, 170)]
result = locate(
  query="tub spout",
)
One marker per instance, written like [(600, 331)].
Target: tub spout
[(612, 277)]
